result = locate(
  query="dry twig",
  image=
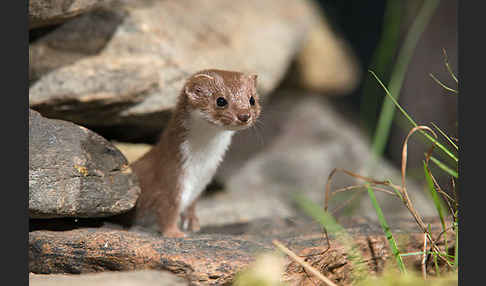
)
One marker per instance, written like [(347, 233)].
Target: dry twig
[(424, 258), (304, 264)]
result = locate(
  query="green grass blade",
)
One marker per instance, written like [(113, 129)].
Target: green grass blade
[(382, 62), (444, 168), (386, 230), (445, 135), (435, 196), (437, 271), (434, 254), (393, 99), (398, 74), (321, 216), (432, 139), (413, 253)]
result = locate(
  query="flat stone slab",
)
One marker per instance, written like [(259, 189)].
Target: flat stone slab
[(218, 253), (74, 172)]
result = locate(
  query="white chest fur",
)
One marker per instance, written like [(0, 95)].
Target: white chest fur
[(202, 152)]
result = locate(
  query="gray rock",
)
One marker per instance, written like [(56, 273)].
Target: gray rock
[(115, 278), (127, 63), (51, 12), (74, 172)]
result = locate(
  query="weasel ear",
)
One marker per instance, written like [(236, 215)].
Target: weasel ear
[(196, 88), (190, 92)]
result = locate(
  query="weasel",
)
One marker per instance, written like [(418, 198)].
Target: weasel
[(211, 107)]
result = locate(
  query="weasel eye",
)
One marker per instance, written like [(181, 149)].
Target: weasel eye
[(220, 101), (252, 101)]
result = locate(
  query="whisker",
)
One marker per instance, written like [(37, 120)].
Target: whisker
[(258, 131)]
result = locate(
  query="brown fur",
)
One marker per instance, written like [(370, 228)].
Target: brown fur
[(159, 169)]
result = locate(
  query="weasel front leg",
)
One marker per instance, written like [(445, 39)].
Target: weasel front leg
[(189, 220), (167, 219)]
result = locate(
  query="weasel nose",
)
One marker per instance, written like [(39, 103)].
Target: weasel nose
[(244, 117)]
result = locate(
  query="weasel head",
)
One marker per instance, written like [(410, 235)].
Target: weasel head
[(224, 98)]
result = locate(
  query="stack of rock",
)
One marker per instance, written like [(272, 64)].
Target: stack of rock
[(117, 66)]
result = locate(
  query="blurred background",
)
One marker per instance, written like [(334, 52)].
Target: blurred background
[(376, 32), (116, 67)]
